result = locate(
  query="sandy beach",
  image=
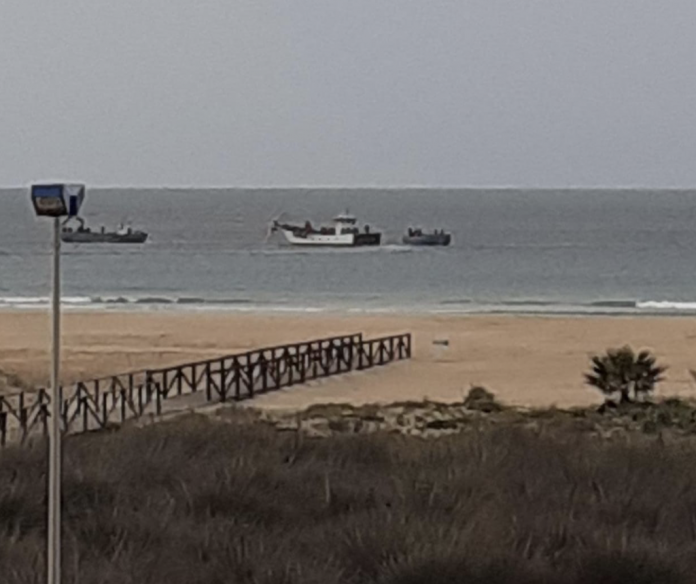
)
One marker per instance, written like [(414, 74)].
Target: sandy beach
[(531, 361)]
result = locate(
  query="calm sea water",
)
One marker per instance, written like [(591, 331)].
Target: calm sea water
[(513, 251)]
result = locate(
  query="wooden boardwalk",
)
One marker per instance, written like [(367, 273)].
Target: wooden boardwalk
[(110, 401)]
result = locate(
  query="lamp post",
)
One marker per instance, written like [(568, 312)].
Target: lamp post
[(55, 201)]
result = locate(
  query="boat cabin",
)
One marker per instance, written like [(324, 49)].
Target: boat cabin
[(345, 218), (343, 224)]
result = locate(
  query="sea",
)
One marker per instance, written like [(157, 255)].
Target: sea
[(575, 252)]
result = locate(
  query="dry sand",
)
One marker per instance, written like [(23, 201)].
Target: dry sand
[(533, 361)]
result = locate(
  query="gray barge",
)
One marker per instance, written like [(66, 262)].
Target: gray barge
[(82, 234), (417, 237)]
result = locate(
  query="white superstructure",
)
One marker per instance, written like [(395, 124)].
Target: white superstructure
[(343, 232)]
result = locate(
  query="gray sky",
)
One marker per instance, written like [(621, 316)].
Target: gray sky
[(349, 92)]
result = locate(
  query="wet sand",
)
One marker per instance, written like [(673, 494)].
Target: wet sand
[(525, 360)]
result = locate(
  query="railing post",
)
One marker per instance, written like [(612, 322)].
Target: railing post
[(165, 382), (237, 378), (263, 364), (337, 350), (208, 381), (3, 422), (3, 428), (302, 359), (223, 381), (85, 413), (314, 353), (158, 394), (22, 414), (64, 410), (147, 386), (97, 392), (104, 410), (250, 375), (280, 367), (44, 411), (326, 362), (289, 366), (122, 394)]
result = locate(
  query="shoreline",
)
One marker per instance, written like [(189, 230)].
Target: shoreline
[(241, 309)]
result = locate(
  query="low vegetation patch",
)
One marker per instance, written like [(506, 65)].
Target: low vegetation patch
[(480, 409), (519, 497)]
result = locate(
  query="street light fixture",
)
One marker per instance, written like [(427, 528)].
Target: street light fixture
[(56, 201)]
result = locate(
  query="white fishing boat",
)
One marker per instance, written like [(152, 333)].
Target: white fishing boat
[(344, 231)]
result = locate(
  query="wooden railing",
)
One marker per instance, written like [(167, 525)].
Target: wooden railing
[(109, 401)]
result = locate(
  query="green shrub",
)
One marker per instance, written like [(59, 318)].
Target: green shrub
[(480, 399), (623, 374)]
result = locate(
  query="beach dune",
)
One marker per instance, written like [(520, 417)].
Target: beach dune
[(524, 360)]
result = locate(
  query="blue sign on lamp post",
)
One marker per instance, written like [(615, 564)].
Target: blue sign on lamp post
[(56, 201), (49, 200)]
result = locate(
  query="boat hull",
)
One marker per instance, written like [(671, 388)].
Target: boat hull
[(368, 239), (442, 239), (83, 237), (332, 240)]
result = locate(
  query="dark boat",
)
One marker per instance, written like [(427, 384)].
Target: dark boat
[(82, 234), (417, 237)]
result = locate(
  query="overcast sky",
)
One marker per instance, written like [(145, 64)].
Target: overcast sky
[(349, 92)]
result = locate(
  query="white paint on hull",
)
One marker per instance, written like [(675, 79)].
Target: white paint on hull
[(342, 240)]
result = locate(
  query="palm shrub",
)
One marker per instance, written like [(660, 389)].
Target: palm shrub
[(624, 373), (482, 400)]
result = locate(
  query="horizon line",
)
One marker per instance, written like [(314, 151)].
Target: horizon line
[(330, 187)]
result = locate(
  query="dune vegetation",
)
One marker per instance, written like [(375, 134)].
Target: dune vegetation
[(506, 496), (410, 493)]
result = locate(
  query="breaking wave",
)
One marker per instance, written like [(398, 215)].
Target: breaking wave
[(374, 304)]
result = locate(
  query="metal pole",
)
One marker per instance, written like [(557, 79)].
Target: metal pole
[(54, 453)]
